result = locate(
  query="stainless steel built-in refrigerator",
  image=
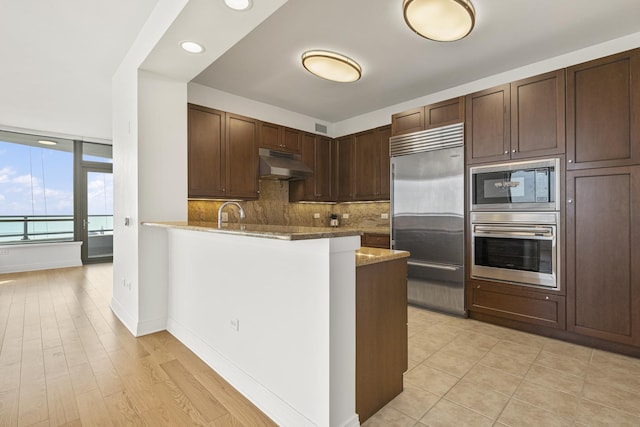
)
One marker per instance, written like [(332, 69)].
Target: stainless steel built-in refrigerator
[(427, 206)]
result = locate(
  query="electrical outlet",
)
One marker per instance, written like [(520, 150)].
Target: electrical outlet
[(384, 216), (316, 216), (4, 252), (235, 324), (345, 216), (225, 216)]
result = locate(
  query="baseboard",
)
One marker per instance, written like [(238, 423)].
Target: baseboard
[(127, 320), (269, 403), (353, 422), (147, 327)]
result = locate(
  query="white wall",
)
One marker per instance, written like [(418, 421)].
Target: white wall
[(162, 187), (150, 140), (213, 98), (128, 130)]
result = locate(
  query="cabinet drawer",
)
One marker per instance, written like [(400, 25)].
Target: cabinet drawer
[(373, 240), (538, 308)]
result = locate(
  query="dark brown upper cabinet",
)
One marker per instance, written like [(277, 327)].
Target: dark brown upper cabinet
[(241, 157), (537, 116), (407, 121), (362, 166), (316, 154), (206, 152), (488, 125), (519, 120), (281, 138), (342, 160), (603, 112), (435, 115), (222, 154)]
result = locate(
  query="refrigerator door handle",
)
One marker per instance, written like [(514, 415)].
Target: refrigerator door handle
[(434, 265)]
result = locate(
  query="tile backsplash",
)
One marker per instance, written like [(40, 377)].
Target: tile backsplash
[(273, 207)]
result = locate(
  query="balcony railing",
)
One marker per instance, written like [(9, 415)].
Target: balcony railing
[(37, 228)]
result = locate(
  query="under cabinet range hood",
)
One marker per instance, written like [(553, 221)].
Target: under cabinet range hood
[(281, 165)]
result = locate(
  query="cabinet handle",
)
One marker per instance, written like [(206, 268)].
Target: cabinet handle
[(513, 151), (546, 297), (570, 161), (570, 201), (506, 152), (478, 286)]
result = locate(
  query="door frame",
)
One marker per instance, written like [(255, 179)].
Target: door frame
[(81, 231)]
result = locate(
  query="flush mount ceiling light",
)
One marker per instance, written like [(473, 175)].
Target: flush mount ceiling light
[(238, 4), (46, 142), (439, 20), (192, 47), (331, 66)]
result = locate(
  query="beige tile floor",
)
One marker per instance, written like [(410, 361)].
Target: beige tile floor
[(467, 373)]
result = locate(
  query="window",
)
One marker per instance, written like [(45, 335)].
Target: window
[(36, 188)]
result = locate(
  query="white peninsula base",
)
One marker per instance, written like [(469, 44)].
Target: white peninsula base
[(275, 318)]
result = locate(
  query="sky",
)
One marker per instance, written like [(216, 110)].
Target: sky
[(39, 181)]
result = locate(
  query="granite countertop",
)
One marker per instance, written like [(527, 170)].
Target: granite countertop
[(366, 255), (282, 232), (372, 230)]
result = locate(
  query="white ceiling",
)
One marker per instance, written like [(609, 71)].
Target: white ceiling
[(58, 57), (397, 64)]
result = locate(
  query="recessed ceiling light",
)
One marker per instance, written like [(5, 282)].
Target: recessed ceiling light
[(331, 66), (46, 142), (192, 47), (239, 4), (439, 20)]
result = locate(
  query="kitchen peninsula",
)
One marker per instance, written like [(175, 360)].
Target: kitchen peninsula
[(272, 309)]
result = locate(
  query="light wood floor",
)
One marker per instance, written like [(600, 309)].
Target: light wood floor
[(65, 359)]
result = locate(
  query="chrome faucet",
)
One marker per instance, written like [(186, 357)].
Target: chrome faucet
[(242, 215)]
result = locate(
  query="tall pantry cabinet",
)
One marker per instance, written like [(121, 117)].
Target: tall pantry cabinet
[(603, 198)]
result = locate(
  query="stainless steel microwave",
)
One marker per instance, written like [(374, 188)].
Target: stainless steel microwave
[(527, 186)]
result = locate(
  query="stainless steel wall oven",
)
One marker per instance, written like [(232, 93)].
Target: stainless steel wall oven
[(516, 247), (515, 222)]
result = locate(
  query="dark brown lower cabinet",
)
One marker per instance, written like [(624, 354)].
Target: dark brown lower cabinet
[(381, 334), (376, 240), (515, 303), (603, 259)]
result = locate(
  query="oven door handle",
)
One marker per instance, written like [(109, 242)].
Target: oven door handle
[(513, 231), (433, 265)]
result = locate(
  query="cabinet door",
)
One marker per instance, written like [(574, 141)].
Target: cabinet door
[(603, 260), (206, 135), (407, 121), (384, 134), (514, 303), (291, 139), (537, 116), (603, 112), (300, 190), (444, 113), (342, 157), (322, 168), (241, 157), (487, 125), (270, 136), (366, 165)]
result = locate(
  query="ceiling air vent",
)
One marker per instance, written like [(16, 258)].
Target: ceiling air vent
[(321, 128)]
